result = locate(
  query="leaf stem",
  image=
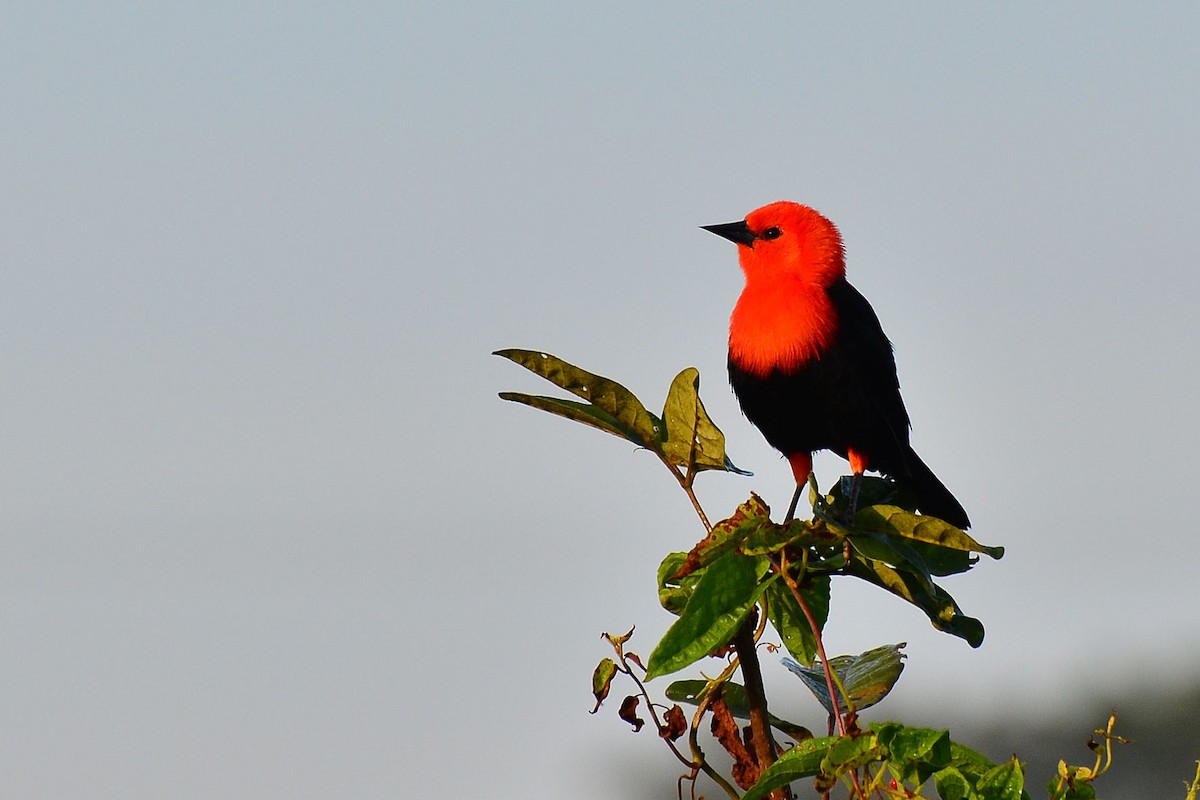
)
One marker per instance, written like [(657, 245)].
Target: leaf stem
[(685, 482), (816, 632), (697, 761)]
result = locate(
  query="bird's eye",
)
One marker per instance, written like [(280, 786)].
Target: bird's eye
[(772, 233)]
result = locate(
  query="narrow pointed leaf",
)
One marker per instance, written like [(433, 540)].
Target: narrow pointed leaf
[(927, 560), (633, 420), (896, 521), (936, 560), (867, 677), (578, 412), (720, 603), (890, 550), (730, 467)]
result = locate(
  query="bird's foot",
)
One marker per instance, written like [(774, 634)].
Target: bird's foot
[(852, 506)]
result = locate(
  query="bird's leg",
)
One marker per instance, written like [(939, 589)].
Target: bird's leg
[(795, 501), (801, 468), (855, 487), (858, 465)]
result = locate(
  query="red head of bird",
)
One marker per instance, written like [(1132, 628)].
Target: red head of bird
[(790, 255)]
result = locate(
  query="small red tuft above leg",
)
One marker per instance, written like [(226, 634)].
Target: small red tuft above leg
[(858, 461), (801, 466), (858, 465)]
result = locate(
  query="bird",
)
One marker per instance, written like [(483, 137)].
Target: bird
[(809, 362)]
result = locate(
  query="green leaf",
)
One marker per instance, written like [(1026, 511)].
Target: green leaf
[(891, 551), (1077, 790), (734, 694), (936, 561), (685, 437), (726, 535), (872, 490), (921, 745), (896, 521), (1073, 783), (579, 412), (953, 785), (1005, 782), (617, 410), (692, 440), (802, 761), (915, 753), (937, 604), (850, 752), (867, 677), (788, 620), (770, 537), (602, 680), (911, 555), (673, 593), (720, 603), (971, 763)]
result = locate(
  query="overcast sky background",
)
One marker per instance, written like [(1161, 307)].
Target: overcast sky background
[(268, 532)]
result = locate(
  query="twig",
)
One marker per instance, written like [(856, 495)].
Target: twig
[(685, 482), (760, 725)]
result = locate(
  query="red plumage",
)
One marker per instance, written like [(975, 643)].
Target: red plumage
[(810, 363)]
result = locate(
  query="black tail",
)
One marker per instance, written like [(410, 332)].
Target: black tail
[(933, 497)]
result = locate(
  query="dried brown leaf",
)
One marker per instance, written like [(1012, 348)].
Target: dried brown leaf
[(745, 768)]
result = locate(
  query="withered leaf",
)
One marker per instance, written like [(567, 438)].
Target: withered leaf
[(602, 681), (628, 712), (725, 730), (676, 724), (725, 535)]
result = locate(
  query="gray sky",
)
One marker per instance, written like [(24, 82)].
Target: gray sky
[(267, 531)]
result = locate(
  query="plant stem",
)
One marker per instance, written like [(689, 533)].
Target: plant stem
[(698, 762), (685, 481), (1195, 785), (816, 632), (756, 697)]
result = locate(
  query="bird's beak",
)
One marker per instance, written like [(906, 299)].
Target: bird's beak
[(736, 232)]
